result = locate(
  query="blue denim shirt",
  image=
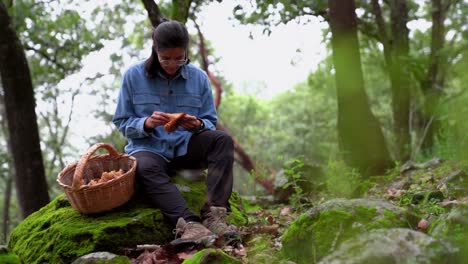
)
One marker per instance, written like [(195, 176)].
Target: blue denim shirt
[(140, 96)]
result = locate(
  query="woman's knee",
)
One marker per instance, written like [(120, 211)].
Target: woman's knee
[(225, 139), (149, 163)]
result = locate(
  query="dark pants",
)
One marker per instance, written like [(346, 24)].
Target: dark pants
[(209, 149)]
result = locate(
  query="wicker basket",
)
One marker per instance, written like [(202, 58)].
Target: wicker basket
[(102, 196)]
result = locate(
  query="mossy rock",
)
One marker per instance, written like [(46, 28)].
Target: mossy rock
[(212, 256), (394, 245), (57, 233), (7, 257), (453, 227), (322, 229)]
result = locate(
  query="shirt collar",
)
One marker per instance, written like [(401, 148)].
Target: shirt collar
[(182, 72)]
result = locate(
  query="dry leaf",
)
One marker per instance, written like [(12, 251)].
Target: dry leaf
[(183, 255), (285, 211)]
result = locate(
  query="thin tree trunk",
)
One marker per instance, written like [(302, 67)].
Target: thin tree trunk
[(400, 78), (433, 84), (9, 179), (31, 185), (154, 14), (360, 137), (395, 53), (6, 207)]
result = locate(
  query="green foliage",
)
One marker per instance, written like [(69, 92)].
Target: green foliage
[(270, 13), (293, 170)]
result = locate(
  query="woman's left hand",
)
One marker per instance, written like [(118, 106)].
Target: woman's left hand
[(190, 122)]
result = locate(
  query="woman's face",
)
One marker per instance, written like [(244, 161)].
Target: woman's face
[(171, 59)]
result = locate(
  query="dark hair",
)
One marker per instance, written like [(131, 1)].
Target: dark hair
[(169, 34)]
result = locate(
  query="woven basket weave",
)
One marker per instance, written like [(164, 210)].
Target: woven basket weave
[(102, 196)]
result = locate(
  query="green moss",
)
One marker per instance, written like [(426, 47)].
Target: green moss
[(260, 243), (261, 250), (212, 256), (251, 207), (320, 231), (59, 234), (9, 258), (237, 216)]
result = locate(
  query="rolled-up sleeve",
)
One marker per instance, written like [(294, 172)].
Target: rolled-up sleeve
[(125, 118)]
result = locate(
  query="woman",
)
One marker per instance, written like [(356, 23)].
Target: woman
[(151, 92)]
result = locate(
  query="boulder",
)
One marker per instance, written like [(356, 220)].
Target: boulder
[(57, 233), (394, 245), (323, 228), (102, 258), (453, 227)]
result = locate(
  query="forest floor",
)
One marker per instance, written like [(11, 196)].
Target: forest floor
[(268, 220)]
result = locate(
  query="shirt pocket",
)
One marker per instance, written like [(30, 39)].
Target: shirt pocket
[(190, 104), (146, 104)]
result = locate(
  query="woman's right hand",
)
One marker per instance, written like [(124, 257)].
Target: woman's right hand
[(156, 119)]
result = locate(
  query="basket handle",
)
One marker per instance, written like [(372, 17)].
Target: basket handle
[(78, 175)]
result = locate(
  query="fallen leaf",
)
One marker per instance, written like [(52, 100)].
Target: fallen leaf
[(269, 229), (447, 203), (270, 219), (285, 211), (240, 251), (183, 255)]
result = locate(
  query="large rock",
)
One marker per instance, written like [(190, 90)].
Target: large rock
[(323, 228), (397, 245), (59, 234), (102, 258), (453, 227)]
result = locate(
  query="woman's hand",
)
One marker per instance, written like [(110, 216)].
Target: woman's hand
[(156, 119), (190, 122)]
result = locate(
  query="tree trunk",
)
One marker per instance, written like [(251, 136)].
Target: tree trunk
[(9, 178), (6, 208), (433, 84), (399, 77), (31, 185), (396, 48), (154, 14), (360, 137)]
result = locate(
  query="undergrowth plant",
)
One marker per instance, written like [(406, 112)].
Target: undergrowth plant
[(293, 171)]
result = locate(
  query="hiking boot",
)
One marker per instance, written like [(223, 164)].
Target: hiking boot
[(214, 221), (192, 232)]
